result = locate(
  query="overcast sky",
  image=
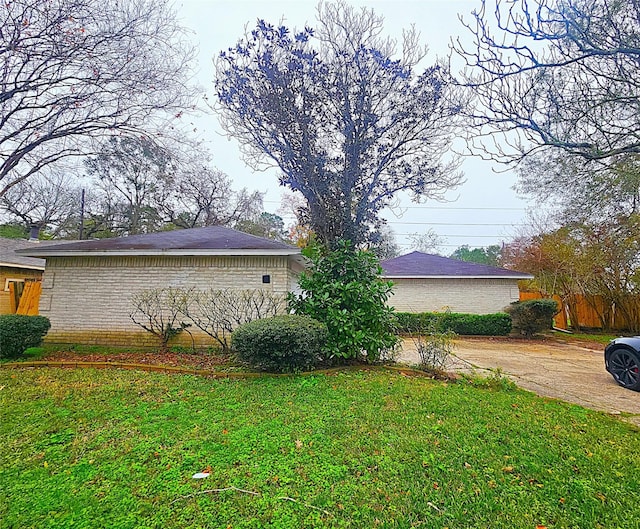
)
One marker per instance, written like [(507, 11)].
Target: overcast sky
[(483, 211)]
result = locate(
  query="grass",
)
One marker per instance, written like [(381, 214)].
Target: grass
[(600, 338), (592, 337), (117, 449)]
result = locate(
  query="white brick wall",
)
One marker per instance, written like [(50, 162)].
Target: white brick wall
[(88, 299), (471, 296)]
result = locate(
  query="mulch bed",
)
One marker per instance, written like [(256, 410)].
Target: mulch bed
[(204, 361)]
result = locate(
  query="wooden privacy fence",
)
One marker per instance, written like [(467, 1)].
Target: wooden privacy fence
[(591, 313), (29, 298)]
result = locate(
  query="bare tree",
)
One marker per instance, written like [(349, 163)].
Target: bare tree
[(138, 185), (74, 70), (105, 215), (201, 195), (427, 242), (347, 119), (49, 201), (133, 170), (560, 73)]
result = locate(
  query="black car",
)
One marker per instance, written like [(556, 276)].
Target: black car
[(622, 360)]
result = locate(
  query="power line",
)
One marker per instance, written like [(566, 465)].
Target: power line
[(492, 208), (454, 223), (413, 223), (428, 208), (409, 245), (460, 236)]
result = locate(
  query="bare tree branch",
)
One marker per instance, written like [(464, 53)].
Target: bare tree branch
[(75, 70), (50, 201), (559, 73)]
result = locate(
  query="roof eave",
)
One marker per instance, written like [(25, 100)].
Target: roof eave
[(151, 252), (17, 265), (396, 276)]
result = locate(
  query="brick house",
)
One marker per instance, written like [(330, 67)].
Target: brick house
[(430, 283), (88, 285), (15, 271)]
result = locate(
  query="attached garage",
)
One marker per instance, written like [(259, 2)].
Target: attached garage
[(431, 283), (88, 285)]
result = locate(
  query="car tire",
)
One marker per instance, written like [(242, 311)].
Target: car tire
[(624, 366)]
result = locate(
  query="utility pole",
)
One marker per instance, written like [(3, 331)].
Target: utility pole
[(81, 230)]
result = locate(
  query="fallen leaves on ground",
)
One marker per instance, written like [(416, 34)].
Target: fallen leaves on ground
[(200, 361)]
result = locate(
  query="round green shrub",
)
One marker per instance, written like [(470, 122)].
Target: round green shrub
[(18, 333), (532, 316), (281, 344)]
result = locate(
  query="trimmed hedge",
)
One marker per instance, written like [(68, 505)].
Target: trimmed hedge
[(19, 332), (281, 344), (498, 324)]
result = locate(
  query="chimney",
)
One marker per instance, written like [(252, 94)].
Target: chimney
[(34, 232)]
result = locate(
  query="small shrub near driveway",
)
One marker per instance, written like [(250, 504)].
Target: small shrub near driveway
[(533, 316), (434, 350), (434, 346), (18, 333), (281, 344)]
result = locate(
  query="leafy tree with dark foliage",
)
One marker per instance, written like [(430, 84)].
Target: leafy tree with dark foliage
[(348, 124), (489, 255)]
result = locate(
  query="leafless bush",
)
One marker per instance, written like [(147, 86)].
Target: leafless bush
[(217, 312), (158, 311), (435, 346)]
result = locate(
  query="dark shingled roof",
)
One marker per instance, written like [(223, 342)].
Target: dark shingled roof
[(418, 264), (9, 257), (215, 238)]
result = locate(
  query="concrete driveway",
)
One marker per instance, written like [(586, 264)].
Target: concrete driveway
[(549, 368)]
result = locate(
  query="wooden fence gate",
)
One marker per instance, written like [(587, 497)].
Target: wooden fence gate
[(29, 298)]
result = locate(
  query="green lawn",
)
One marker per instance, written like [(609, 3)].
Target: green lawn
[(589, 337), (117, 449)]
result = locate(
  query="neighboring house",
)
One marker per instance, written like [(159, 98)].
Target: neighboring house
[(431, 283), (88, 285), (15, 271)]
